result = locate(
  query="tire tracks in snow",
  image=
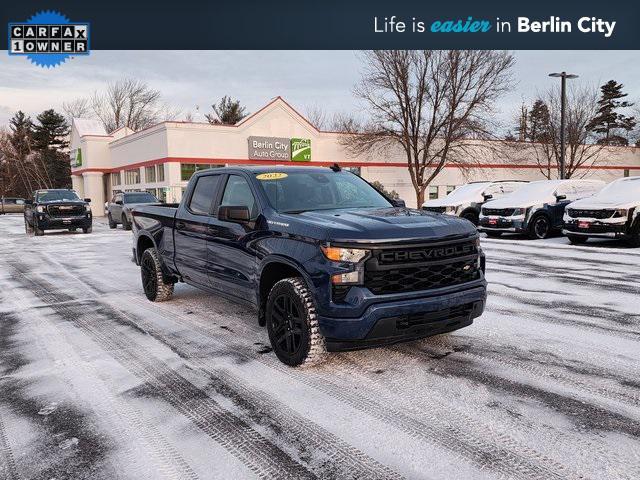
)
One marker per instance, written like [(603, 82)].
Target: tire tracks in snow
[(266, 459), (495, 451)]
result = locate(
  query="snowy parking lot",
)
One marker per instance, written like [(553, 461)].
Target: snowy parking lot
[(96, 382)]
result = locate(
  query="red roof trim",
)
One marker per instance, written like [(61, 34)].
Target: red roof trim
[(243, 161)]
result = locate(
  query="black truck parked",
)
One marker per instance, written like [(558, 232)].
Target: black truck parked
[(57, 209), (328, 261)]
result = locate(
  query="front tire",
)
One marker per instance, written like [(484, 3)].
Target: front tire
[(112, 224), (28, 229), (577, 239), (155, 288), (36, 231), (540, 228), (87, 230), (634, 240), (472, 217), (292, 324)]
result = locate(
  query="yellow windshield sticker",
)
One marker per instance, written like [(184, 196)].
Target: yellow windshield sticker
[(271, 176)]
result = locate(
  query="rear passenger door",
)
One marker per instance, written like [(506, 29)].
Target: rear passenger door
[(192, 229)]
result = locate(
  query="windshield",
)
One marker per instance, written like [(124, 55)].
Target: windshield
[(142, 197), (296, 192), (623, 186), (57, 196), (467, 190)]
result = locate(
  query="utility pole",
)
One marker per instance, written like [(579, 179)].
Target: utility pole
[(563, 105)]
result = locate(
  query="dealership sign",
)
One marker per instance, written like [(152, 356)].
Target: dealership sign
[(76, 157), (280, 149)]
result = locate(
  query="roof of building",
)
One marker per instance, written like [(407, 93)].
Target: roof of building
[(88, 126)]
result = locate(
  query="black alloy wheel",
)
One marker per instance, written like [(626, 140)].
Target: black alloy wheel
[(287, 324), (540, 228), (155, 287)]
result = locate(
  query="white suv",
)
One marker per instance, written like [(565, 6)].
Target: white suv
[(466, 200), (613, 213)]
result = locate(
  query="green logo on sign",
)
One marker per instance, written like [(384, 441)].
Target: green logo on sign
[(301, 149)]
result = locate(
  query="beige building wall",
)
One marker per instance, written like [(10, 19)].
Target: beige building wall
[(174, 143)]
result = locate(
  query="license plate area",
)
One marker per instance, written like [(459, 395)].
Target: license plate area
[(584, 224)]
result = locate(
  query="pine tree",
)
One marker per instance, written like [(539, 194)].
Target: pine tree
[(538, 122), (608, 121), (51, 141), (227, 112)]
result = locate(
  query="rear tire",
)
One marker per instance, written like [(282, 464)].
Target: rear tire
[(155, 288), (112, 224), (540, 228), (292, 324), (73, 229), (125, 223), (577, 239)]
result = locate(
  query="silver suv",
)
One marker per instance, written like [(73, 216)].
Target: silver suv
[(120, 206)]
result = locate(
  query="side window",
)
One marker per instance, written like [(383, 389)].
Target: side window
[(203, 194), (238, 193), (119, 198)]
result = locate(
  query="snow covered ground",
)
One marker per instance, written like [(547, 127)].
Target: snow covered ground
[(98, 383)]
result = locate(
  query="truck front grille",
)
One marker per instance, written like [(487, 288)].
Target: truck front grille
[(422, 268), (599, 214), (65, 210), (500, 212)]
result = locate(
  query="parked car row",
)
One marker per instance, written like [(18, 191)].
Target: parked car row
[(578, 208)]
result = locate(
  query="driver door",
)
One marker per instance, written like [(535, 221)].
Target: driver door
[(231, 261)]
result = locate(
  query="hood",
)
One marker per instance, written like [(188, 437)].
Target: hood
[(597, 203), (513, 201), (376, 225)]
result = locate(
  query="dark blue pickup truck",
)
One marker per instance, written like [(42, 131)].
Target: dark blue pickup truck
[(328, 262)]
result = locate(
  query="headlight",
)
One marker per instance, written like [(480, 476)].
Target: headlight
[(452, 210), (519, 211), (40, 209), (87, 208), (621, 213), (352, 255)]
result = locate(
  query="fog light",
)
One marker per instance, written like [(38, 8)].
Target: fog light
[(342, 278)]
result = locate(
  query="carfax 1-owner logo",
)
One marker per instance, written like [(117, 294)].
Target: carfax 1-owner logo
[(48, 38)]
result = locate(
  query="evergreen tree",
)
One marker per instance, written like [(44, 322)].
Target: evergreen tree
[(608, 121), (539, 119), (227, 112), (50, 138)]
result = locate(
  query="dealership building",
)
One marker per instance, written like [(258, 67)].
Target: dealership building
[(162, 158)]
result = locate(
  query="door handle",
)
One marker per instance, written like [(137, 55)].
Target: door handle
[(181, 226)]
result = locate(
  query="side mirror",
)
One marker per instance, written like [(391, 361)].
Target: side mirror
[(118, 202), (88, 200), (561, 197), (487, 197), (237, 214), (398, 203)]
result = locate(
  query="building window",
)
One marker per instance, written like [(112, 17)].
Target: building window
[(450, 188), (132, 177), (433, 193), (115, 178), (626, 172), (188, 169), (160, 173), (150, 174)]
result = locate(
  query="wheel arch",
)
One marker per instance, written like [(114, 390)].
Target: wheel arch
[(272, 270)]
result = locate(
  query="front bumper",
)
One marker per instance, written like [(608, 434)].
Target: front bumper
[(502, 224), (45, 222), (595, 228), (406, 319)]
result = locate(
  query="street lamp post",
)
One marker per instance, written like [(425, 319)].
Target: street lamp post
[(563, 101)]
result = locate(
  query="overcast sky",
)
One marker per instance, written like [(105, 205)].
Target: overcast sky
[(306, 79)]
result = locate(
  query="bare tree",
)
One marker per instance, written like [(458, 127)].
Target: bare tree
[(581, 151), (432, 105), (78, 108)]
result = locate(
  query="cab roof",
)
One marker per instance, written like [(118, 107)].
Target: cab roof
[(276, 167)]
